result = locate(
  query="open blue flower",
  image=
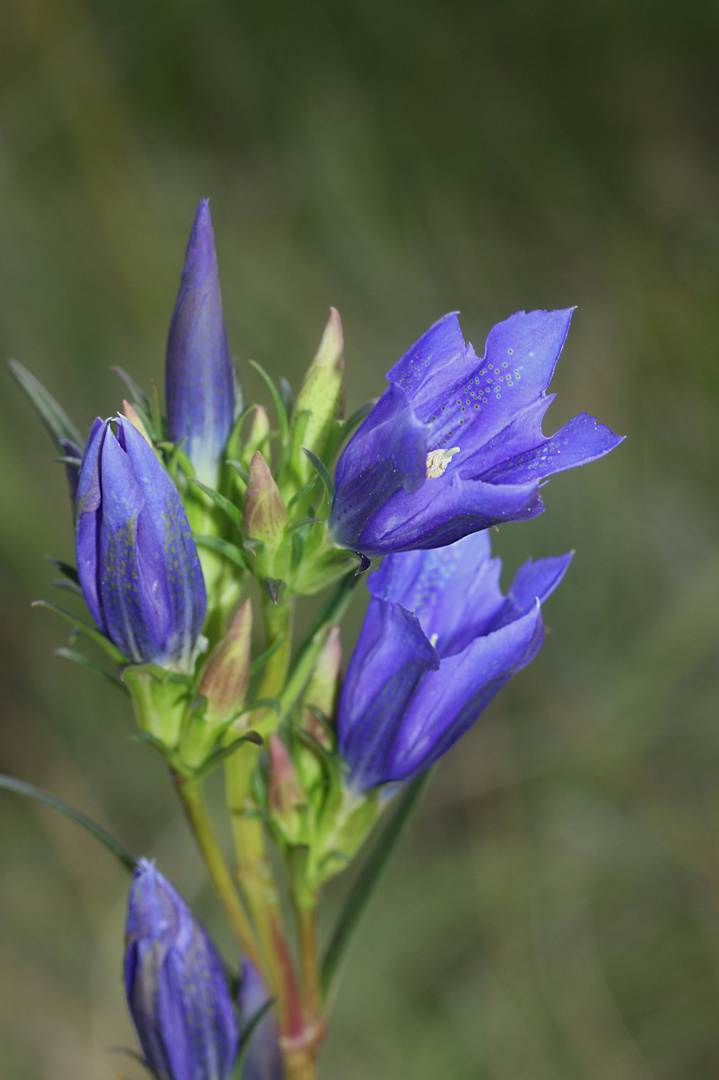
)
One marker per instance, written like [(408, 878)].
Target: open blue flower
[(176, 986), (199, 374), (438, 641), (136, 559), (455, 444)]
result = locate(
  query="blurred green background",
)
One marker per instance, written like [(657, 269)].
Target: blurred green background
[(554, 912)]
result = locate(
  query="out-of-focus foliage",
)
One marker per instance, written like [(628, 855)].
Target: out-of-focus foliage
[(554, 912)]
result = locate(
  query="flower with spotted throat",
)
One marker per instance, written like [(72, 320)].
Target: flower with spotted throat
[(455, 443)]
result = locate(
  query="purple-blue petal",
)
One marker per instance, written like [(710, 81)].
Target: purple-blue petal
[(137, 561), (199, 375), (390, 658), (387, 455), (176, 987), (488, 412), (264, 1059), (448, 701)]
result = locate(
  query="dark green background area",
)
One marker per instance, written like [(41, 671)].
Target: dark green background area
[(554, 912)]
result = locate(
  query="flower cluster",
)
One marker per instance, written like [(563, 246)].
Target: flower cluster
[(176, 510)]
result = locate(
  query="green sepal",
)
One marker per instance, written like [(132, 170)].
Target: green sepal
[(64, 568), (287, 395), (321, 470), (223, 547), (233, 448), (160, 699), (83, 628), (139, 398), (97, 669), (258, 664), (177, 459), (157, 419), (112, 845), (223, 752), (278, 403), (68, 586), (239, 469), (219, 500), (343, 428), (53, 416)]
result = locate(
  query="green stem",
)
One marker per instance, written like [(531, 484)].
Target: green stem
[(307, 929), (199, 819)]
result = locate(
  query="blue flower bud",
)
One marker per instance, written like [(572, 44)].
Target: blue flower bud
[(175, 984), (455, 443), (438, 641), (199, 375), (263, 1060), (136, 559)]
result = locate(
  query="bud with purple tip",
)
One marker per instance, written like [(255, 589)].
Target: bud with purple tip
[(199, 375)]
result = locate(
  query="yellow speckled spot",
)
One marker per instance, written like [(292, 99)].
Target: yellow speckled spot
[(438, 460)]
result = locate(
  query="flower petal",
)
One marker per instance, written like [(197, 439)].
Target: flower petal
[(391, 656)]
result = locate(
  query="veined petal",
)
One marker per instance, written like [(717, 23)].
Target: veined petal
[(387, 454), (533, 581), (87, 506), (391, 656), (448, 701), (435, 516)]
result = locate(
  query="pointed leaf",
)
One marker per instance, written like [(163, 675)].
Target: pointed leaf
[(262, 659), (55, 419), (82, 627), (137, 394), (287, 394), (277, 399), (65, 568), (223, 752), (112, 845), (273, 586), (223, 547), (321, 470), (84, 661), (219, 500), (369, 878)]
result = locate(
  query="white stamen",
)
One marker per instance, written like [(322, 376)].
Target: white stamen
[(438, 460), (433, 640)]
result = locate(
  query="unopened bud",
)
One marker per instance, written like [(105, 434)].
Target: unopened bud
[(265, 516), (131, 415), (320, 694), (322, 393), (227, 675), (285, 794)]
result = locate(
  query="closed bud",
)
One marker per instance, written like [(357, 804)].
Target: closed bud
[(136, 558), (286, 796), (227, 675), (176, 987), (320, 695), (199, 375), (130, 413), (265, 516), (322, 395)]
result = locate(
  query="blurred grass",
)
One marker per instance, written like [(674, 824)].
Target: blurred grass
[(553, 913)]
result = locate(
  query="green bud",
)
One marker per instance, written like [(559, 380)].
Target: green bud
[(265, 516), (286, 797), (227, 674), (320, 695), (160, 700), (322, 395)]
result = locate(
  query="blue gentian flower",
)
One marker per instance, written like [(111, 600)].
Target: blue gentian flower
[(438, 641), (175, 984), (136, 559), (199, 374), (455, 444), (263, 1060)]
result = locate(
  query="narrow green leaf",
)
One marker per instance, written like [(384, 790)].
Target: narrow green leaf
[(219, 500), (262, 659), (223, 752), (302, 492), (287, 394), (69, 586), (82, 627), (239, 469), (138, 395), (344, 428), (278, 402), (178, 457), (84, 661), (369, 878), (112, 845), (321, 470), (246, 1037), (55, 419), (306, 521), (223, 547)]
